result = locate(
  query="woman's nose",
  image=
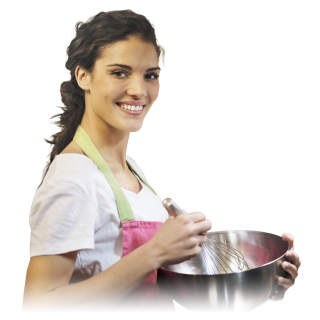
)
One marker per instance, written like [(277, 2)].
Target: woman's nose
[(137, 88)]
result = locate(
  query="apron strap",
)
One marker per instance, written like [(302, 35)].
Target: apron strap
[(146, 183), (86, 144)]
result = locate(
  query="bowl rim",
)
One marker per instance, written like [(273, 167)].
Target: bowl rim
[(224, 274)]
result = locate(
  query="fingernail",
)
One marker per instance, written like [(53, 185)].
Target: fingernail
[(280, 280), (285, 265)]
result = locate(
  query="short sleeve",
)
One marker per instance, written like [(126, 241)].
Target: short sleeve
[(62, 219)]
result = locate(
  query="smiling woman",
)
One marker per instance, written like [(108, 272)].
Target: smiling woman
[(88, 45), (105, 123), (99, 231)]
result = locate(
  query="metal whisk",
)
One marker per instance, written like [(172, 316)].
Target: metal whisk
[(218, 256)]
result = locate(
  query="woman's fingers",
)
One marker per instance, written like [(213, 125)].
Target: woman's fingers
[(289, 237), (294, 258), (291, 269), (290, 266)]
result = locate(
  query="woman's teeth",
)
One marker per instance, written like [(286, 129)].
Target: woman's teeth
[(128, 107)]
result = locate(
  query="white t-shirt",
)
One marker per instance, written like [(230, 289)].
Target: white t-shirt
[(75, 209)]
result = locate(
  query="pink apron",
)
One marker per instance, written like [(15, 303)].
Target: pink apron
[(148, 294)]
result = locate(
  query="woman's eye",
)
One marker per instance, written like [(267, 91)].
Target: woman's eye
[(155, 76), (118, 73)]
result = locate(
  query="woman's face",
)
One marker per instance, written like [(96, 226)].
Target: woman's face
[(126, 75)]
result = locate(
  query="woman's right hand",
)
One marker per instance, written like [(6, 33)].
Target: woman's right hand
[(179, 238)]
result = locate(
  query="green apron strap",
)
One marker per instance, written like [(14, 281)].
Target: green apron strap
[(146, 183), (85, 143)]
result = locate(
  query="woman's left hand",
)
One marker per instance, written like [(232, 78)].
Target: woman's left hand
[(290, 266)]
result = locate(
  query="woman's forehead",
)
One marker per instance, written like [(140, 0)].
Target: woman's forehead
[(133, 50)]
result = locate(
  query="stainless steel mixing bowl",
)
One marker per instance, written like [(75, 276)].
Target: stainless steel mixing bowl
[(191, 286)]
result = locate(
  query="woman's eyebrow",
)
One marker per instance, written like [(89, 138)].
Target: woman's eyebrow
[(128, 67)]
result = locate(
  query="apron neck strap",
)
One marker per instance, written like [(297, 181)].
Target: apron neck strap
[(86, 144)]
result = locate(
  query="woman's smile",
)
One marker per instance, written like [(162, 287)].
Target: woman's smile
[(127, 109)]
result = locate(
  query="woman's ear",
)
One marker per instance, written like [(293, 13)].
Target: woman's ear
[(83, 78)]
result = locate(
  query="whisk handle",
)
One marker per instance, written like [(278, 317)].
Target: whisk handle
[(172, 208)]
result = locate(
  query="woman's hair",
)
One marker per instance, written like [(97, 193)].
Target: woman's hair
[(92, 37)]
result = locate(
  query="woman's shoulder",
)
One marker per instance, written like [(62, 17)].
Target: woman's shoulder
[(72, 147), (72, 165)]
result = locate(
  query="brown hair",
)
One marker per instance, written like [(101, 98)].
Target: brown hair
[(92, 37)]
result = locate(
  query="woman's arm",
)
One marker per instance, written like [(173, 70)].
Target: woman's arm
[(48, 277)]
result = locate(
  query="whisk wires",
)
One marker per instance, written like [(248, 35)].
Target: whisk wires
[(220, 258)]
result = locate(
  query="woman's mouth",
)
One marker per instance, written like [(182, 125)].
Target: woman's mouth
[(134, 110)]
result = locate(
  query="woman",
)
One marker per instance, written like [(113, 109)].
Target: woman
[(98, 230)]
